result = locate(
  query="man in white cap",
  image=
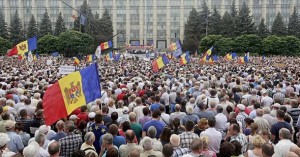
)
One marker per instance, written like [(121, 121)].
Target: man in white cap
[(3, 146), (15, 144), (74, 118), (124, 117), (242, 115)]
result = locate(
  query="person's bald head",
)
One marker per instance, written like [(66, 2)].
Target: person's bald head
[(54, 148), (175, 140), (134, 153), (129, 134), (259, 112)]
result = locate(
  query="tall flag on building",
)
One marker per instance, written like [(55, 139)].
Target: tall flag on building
[(175, 46), (160, 63), (106, 45), (98, 52), (71, 92), (23, 47), (185, 58), (76, 61)]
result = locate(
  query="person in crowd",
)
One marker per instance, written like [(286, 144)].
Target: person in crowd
[(88, 146), (214, 137), (125, 149), (15, 143), (284, 144), (98, 129), (71, 141), (54, 149), (188, 135), (147, 145), (159, 126), (257, 142), (196, 148)]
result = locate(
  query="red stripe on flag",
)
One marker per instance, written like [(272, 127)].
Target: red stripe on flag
[(155, 66), (54, 105), (13, 51)]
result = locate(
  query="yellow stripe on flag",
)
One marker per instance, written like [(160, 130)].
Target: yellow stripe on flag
[(160, 62), (22, 47), (72, 92)]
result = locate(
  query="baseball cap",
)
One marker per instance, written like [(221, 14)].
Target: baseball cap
[(92, 115), (3, 139)]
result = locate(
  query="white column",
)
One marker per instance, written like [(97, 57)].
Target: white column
[(60, 8), (127, 21), (101, 8), (264, 9), (222, 7), (168, 23), (141, 22), (154, 23), (7, 11), (278, 6), (251, 6), (181, 20), (21, 11), (209, 4), (114, 22), (195, 4)]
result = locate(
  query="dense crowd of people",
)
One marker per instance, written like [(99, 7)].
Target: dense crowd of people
[(223, 109)]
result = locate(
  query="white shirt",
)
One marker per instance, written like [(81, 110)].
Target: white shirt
[(138, 112), (165, 118), (214, 137), (42, 152), (165, 97), (221, 121), (283, 147), (266, 101)]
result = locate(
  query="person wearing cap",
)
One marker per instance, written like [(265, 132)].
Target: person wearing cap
[(15, 144), (74, 118), (91, 121), (124, 117), (5, 152), (242, 115)]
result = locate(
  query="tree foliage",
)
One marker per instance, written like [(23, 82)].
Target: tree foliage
[(204, 18), (274, 45), (191, 32), (214, 23), (45, 27), (32, 28), (262, 30), (16, 33), (3, 27), (248, 43), (244, 22), (225, 45), (227, 25), (4, 45), (278, 27), (60, 25), (208, 42), (73, 42), (48, 44), (294, 24)]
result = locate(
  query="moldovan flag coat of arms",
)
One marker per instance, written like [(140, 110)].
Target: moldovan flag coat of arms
[(70, 92)]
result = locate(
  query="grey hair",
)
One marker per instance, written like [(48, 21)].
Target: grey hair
[(152, 132), (89, 137), (284, 133), (147, 143), (40, 138), (107, 138), (266, 110)]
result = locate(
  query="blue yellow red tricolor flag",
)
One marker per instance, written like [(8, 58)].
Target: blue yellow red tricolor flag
[(209, 51), (184, 58), (160, 63), (90, 58), (243, 60), (175, 46), (106, 45), (23, 47), (109, 56), (228, 56), (71, 92)]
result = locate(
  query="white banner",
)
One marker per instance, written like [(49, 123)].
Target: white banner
[(98, 52), (64, 69), (49, 62)]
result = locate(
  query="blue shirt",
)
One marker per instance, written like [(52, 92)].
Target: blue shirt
[(154, 106), (15, 144), (117, 141), (157, 124), (58, 136)]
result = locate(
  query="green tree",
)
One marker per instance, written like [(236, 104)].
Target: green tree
[(294, 24), (191, 32), (251, 43), (227, 25), (274, 45), (292, 47), (32, 28), (3, 27), (60, 25), (204, 18), (105, 28), (208, 42), (244, 22), (262, 29), (45, 27), (15, 29), (234, 16), (4, 45), (48, 44), (215, 22), (278, 27), (225, 45), (73, 42), (86, 13), (233, 10)]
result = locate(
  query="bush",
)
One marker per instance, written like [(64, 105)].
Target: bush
[(4, 45), (47, 44), (208, 42), (248, 43), (274, 45), (225, 45)]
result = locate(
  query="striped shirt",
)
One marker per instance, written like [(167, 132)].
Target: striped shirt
[(243, 141), (178, 151)]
